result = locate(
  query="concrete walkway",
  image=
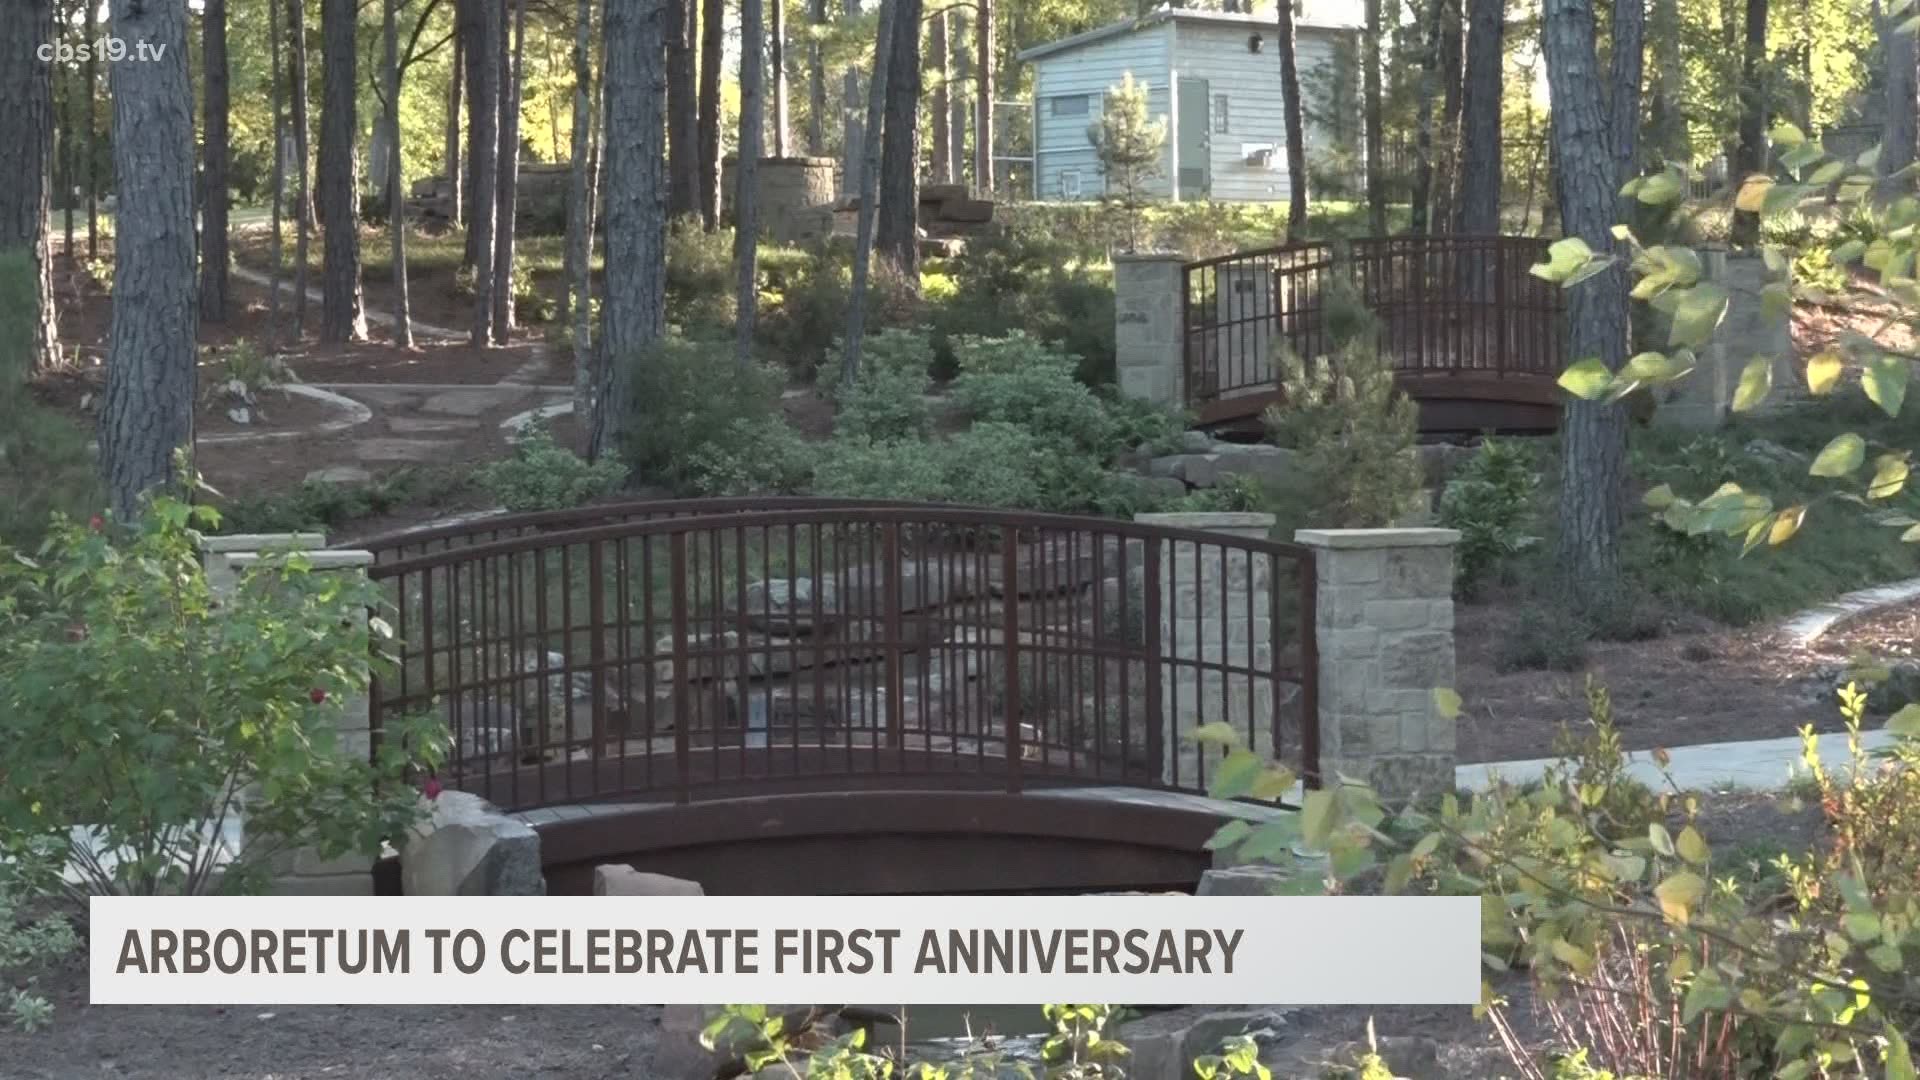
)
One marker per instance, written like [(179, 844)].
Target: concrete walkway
[(420, 329), (1759, 765)]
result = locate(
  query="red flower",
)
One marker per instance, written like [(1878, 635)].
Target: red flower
[(316, 695), (96, 523), (431, 788)]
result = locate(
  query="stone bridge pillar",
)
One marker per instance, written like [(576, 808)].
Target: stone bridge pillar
[(1148, 338), (1384, 626), (225, 559), (1702, 400)]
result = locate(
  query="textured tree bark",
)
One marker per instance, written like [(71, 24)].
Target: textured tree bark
[(1447, 139), (1627, 57), (777, 66), (396, 181), (852, 135), (683, 113), (147, 412), (713, 29), (1897, 134), (983, 106), (962, 102), (69, 159), (816, 81), (93, 133), (1594, 460), (26, 160), (1423, 141), (277, 203), (1370, 91), (1745, 231), (213, 171), (508, 186), (746, 174), (941, 106), (580, 208), (896, 233), (303, 154), (1477, 210), (1295, 129), (634, 311), (457, 181), (1666, 126), (342, 317), (869, 189), (483, 145)]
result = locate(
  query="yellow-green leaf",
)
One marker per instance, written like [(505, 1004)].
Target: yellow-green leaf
[(1572, 955), (1785, 524), (1906, 722), (1753, 194), (1587, 379), (1659, 189), (1661, 840), (1446, 702), (1755, 382), (1219, 733), (1679, 893), (1885, 381), (1235, 774), (1889, 476), (1823, 370), (1316, 819), (1840, 457), (1658, 498), (1785, 133), (1699, 313), (1899, 1055), (1692, 846)]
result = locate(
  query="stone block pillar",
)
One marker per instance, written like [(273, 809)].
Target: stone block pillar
[(226, 559), (1215, 608), (1384, 627), (1702, 400), (1149, 340)]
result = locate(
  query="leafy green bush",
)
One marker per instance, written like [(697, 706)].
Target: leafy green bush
[(751, 457), (29, 941), (318, 505), (1029, 278), (700, 279), (1490, 502), (1544, 638), (543, 475), (686, 394), (888, 400), (989, 464), (1352, 429), (135, 700), (1017, 379), (809, 312)]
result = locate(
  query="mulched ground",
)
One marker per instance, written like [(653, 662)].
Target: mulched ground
[(1892, 634)]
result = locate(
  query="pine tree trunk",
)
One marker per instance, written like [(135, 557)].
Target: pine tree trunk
[(746, 195), (1897, 134), (215, 153), (508, 186), (1295, 128), (1477, 210), (1423, 140), (93, 135), (342, 317), (483, 145), (634, 312), (303, 152), (816, 82), (396, 180), (279, 181), (1623, 80), (1753, 118), (1594, 433), (942, 103), (962, 101), (1447, 139), (26, 161), (580, 208), (713, 28), (147, 412), (777, 66), (683, 112), (69, 160), (896, 236), (983, 101), (1667, 125), (869, 185), (1370, 91), (852, 133), (456, 176)]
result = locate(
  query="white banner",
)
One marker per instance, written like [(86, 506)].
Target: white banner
[(928, 950)]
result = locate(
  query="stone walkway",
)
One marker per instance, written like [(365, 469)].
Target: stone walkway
[(1756, 765)]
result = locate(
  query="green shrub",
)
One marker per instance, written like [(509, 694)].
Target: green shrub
[(1019, 380), (543, 475), (888, 400), (1544, 638), (860, 468), (1028, 278), (1490, 502), (45, 465), (30, 941), (1352, 429), (752, 457), (132, 701), (989, 464), (685, 395), (316, 505), (809, 313), (700, 279)]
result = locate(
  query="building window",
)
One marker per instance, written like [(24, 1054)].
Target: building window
[(1070, 185), (1068, 105), (1220, 114)]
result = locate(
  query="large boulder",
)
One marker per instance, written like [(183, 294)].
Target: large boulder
[(469, 848)]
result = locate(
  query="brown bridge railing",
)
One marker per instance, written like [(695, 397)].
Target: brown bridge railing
[(1463, 306), (712, 648)]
